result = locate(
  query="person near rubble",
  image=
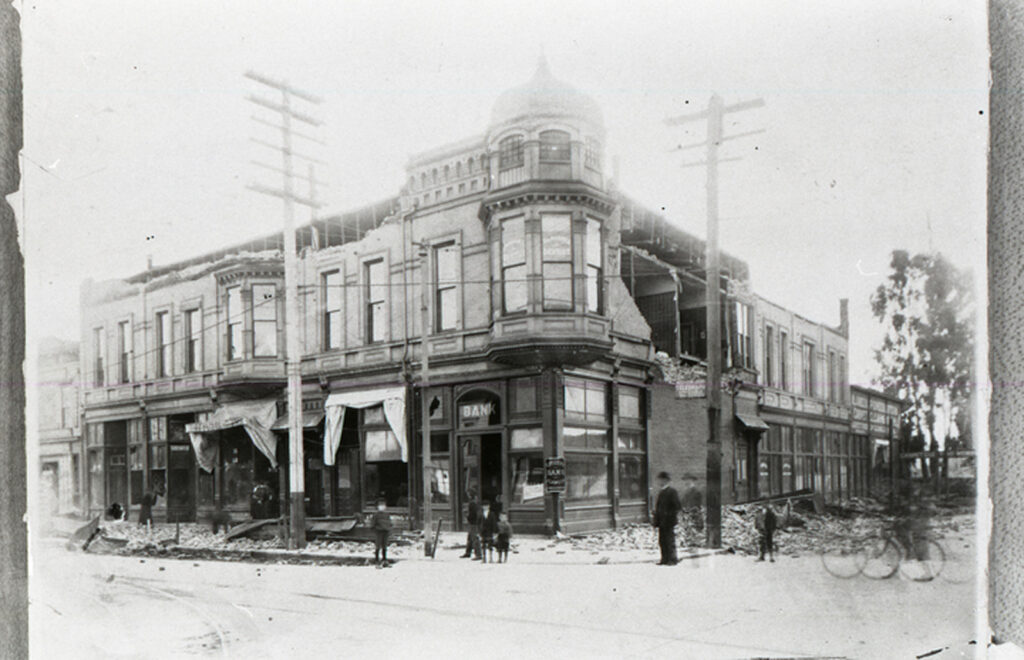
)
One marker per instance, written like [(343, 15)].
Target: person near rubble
[(381, 525), (504, 536), (146, 507), (473, 523), (666, 512), (765, 522), (488, 528)]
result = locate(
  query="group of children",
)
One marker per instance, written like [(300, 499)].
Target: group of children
[(489, 530)]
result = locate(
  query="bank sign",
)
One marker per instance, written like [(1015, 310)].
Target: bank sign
[(554, 475), (478, 413)]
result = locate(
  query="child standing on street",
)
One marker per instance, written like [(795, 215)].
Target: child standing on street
[(765, 522), (488, 528), (504, 534), (381, 525)]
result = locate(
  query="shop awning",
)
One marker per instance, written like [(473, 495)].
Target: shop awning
[(310, 419), (391, 398), (256, 417), (752, 422)]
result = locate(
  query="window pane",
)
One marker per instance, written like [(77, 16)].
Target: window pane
[(376, 280), (596, 402), (554, 146), (629, 402), (377, 328), (512, 247), (593, 242), (515, 288), (332, 291), (586, 476), (526, 439), (524, 394), (585, 438), (631, 477), (237, 452), (631, 440), (575, 398), (264, 306), (333, 329), (447, 259), (382, 445), (264, 340), (527, 479), (374, 415), (440, 481), (234, 304), (446, 309), (557, 285), (556, 230), (510, 152), (390, 480), (235, 341)]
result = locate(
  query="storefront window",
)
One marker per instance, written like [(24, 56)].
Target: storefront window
[(524, 395), (236, 454), (136, 464), (629, 404), (527, 479), (96, 478), (631, 477), (633, 440), (585, 400), (387, 479), (440, 480), (587, 476), (382, 445)]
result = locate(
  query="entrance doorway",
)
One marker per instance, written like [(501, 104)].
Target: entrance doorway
[(480, 467)]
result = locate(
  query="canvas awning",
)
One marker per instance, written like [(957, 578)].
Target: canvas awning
[(310, 419), (391, 398), (752, 422), (256, 417)]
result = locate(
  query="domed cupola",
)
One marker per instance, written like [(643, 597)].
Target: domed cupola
[(545, 97)]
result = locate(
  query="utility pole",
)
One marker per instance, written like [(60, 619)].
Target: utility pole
[(713, 300), (293, 348), (424, 251)]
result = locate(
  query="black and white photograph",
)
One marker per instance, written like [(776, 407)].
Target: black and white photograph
[(582, 329)]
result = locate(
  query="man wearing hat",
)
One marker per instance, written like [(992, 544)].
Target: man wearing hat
[(666, 509)]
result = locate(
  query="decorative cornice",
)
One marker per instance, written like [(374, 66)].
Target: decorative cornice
[(546, 192)]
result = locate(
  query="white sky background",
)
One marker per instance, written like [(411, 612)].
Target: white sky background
[(137, 129)]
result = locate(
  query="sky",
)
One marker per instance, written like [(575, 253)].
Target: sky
[(138, 135)]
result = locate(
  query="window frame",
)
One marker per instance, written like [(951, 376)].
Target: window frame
[(452, 286), (592, 153), (327, 312), (99, 350), (511, 152), (124, 351), (557, 262), (554, 151), (255, 305), (375, 309), (234, 319), (783, 361), (193, 339), (506, 267), (769, 352), (807, 365), (593, 269), (164, 342)]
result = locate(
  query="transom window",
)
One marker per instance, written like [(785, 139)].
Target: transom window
[(554, 147), (510, 152), (513, 265), (556, 231)]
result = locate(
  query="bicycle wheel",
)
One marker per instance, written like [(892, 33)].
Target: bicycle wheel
[(844, 562), (881, 558), (924, 561)]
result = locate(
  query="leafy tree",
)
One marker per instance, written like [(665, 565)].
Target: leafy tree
[(927, 306)]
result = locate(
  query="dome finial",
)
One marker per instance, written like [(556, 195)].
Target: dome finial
[(543, 71)]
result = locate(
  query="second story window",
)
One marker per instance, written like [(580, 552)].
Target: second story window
[(556, 270), (98, 349), (193, 332), (593, 247), (513, 265), (332, 294), (446, 280), (743, 345), (783, 380), (124, 350), (163, 344), (554, 147), (510, 152), (592, 156), (843, 384), (234, 319), (769, 356), (376, 300), (808, 368), (264, 320)]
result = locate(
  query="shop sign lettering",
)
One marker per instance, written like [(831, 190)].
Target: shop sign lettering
[(554, 475)]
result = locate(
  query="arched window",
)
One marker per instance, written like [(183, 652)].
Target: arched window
[(458, 169), (510, 152), (434, 175), (554, 147), (469, 165), (446, 172), (423, 180)]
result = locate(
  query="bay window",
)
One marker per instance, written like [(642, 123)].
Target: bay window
[(513, 265), (233, 313), (556, 267), (593, 273), (554, 147), (510, 152), (264, 320)]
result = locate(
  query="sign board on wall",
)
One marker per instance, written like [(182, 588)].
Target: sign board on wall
[(554, 475)]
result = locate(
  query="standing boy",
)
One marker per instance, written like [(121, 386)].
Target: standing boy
[(381, 525), (765, 522), (488, 528), (666, 510), (504, 536), (473, 522)]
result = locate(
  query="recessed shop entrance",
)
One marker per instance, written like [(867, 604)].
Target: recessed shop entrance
[(480, 468)]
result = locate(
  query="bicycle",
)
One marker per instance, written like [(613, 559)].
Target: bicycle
[(880, 556)]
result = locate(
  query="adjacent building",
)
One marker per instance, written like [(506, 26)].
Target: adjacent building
[(59, 427), (564, 330)]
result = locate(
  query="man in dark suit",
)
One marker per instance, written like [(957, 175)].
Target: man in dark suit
[(666, 510)]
